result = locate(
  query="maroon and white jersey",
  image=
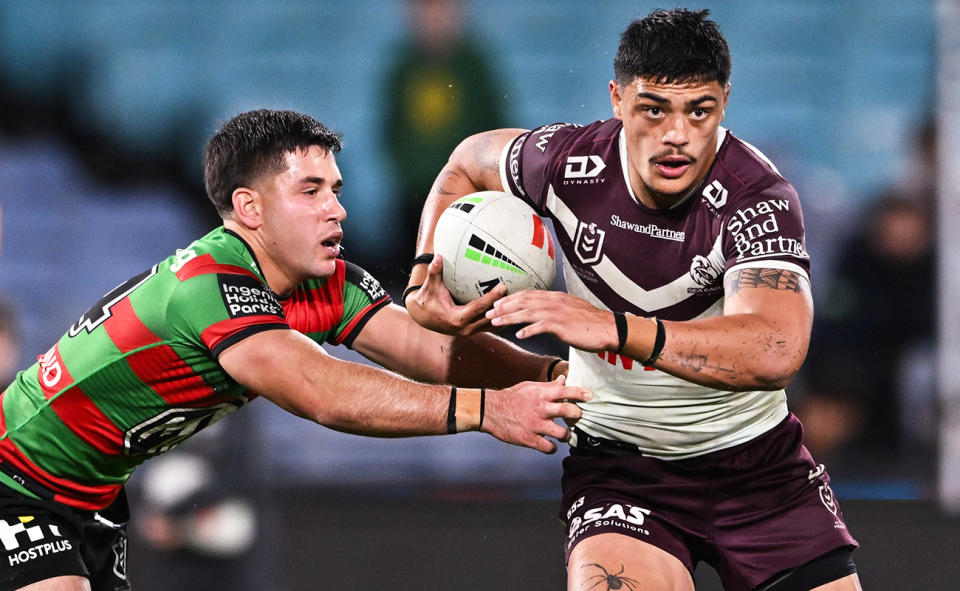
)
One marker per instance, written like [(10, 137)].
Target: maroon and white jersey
[(669, 263)]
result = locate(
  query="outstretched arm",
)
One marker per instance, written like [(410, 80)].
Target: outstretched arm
[(292, 371), (473, 166), (759, 343), (392, 339)]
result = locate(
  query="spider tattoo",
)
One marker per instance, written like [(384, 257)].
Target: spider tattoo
[(613, 580)]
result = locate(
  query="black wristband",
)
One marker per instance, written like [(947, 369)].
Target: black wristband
[(658, 342), (452, 411), (621, 319), (483, 406), (408, 291), (553, 365), (423, 259)]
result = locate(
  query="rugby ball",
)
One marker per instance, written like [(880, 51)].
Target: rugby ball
[(489, 237)]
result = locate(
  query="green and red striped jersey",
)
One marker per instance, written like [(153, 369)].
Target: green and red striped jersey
[(138, 373)]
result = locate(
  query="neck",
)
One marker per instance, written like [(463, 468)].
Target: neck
[(277, 280)]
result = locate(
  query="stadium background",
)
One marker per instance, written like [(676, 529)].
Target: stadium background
[(106, 106)]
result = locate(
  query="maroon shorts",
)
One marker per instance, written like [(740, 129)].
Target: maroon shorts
[(750, 511)]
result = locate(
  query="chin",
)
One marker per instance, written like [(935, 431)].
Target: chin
[(325, 269)]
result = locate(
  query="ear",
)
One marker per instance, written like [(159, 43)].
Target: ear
[(247, 208), (615, 99), (726, 98)]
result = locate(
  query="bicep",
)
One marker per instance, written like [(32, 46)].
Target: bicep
[(280, 365), (392, 338), (778, 296)]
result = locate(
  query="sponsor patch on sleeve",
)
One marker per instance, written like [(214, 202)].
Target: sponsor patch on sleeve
[(365, 281), (246, 296)]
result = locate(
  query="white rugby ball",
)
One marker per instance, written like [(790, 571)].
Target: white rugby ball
[(491, 236)]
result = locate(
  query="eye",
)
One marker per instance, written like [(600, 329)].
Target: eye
[(653, 111)]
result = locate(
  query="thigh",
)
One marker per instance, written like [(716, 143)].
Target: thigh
[(60, 584), (617, 562), (849, 583)]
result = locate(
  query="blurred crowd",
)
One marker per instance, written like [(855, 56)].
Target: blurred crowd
[(867, 394)]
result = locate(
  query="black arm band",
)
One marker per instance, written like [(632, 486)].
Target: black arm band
[(657, 345), (553, 365), (483, 406), (408, 291), (423, 259), (621, 319), (452, 411)]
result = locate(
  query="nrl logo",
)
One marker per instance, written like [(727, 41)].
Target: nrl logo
[(588, 242)]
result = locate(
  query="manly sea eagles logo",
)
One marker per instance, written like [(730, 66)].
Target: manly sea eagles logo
[(703, 272), (588, 242)]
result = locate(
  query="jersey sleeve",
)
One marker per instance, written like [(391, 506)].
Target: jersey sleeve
[(765, 229), (219, 309), (363, 296), (529, 161)]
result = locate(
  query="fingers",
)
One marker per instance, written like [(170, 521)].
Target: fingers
[(436, 266)]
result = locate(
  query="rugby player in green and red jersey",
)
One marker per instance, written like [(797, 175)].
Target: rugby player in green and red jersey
[(239, 313)]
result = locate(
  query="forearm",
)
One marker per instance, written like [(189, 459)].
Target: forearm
[(735, 352), (493, 362), (366, 400)]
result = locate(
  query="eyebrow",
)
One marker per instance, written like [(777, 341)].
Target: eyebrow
[(319, 180), (663, 100)]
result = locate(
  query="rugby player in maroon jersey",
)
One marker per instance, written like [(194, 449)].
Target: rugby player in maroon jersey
[(688, 310)]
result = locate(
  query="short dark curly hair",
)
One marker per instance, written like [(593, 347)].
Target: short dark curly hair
[(673, 46), (255, 143)]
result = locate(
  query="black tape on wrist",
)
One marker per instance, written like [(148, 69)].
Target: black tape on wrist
[(483, 406), (452, 411), (658, 342), (423, 259), (621, 319), (553, 365), (408, 291)]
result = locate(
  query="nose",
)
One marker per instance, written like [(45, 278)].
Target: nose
[(676, 132), (335, 210)]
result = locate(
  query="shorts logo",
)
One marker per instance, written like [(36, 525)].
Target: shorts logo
[(588, 242), (624, 516), (120, 558), (826, 493), (18, 537)]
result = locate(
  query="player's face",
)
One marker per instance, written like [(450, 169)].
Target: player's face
[(671, 134), (301, 215)]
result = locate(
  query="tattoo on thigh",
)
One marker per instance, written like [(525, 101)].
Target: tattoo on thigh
[(610, 581), (779, 279)]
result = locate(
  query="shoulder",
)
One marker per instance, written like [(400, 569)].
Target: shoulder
[(747, 170), (347, 278), (570, 136)]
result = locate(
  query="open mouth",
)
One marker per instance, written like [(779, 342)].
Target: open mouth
[(673, 167), (333, 243)]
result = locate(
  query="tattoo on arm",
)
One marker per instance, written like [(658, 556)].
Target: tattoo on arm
[(487, 156), (696, 362), (778, 279)]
